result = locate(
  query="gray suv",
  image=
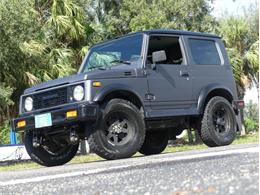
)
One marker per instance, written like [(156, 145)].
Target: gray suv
[(134, 93)]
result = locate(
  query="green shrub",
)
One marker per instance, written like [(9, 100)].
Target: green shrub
[(251, 125), (251, 117), (4, 133)]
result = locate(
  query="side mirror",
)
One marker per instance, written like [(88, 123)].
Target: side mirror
[(158, 56)]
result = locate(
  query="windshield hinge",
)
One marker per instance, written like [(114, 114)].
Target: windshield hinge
[(149, 96), (144, 72)]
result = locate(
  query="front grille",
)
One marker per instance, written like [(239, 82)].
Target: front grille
[(50, 98)]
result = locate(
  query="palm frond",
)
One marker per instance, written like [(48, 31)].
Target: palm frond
[(83, 51), (33, 48), (31, 79)]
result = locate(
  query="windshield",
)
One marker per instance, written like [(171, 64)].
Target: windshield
[(126, 50)]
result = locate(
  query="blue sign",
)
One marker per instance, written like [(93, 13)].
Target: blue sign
[(13, 139)]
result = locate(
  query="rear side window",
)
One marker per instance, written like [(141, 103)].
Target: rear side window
[(204, 52)]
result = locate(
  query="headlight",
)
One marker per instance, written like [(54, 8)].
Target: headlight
[(78, 93), (28, 104)]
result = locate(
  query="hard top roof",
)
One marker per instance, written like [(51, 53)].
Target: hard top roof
[(161, 31), (178, 32)]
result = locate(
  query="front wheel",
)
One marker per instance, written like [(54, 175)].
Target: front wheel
[(121, 132), (54, 150), (218, 126)]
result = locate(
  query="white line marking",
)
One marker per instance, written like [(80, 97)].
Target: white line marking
[(148, 161)]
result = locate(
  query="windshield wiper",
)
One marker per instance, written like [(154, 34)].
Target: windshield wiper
[(98, 67), (121, 61)]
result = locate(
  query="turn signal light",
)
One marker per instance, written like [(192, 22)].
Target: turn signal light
[(71, 114), (96, 84), (21, 124)]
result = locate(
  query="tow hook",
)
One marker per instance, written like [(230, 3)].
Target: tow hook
[(36, 140), (74, 138)]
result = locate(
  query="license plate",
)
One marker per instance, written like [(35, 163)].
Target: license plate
[(43, 120)]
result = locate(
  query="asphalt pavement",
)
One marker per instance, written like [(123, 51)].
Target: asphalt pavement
[(223, 170)]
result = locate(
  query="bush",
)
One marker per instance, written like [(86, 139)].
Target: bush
[(251, 117), (251, 125), (4, 133)]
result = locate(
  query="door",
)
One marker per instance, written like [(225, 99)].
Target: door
[(169, 82)]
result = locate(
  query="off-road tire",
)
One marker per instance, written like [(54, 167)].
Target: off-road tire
[(155, 142), (208, 132), (44, 158), (100, 144)]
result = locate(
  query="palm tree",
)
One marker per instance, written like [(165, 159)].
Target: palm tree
[(65, 31), (98, 9), (235, 35), (244, 55), (67, 19), (42, 43), (251, 61)]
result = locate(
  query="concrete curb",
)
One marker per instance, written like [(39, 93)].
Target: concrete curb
[(18, 153), (13, 152)]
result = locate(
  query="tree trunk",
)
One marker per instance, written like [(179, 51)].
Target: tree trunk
[(197, 137), (83, 150), (241, 95), (243, 130), (190, 136)]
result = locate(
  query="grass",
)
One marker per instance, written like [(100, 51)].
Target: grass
[(19, 165), (246, 139), (92, 157), (31, 165)]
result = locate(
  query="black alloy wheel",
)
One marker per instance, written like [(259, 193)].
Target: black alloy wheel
[(218, 126), (121, 132)]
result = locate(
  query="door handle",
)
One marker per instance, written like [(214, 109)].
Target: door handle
[(184, 74)]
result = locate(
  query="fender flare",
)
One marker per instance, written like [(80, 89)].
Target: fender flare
[(114, 88), (206, 90)]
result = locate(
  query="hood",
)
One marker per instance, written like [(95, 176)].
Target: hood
[(56, 82), (119, 72)]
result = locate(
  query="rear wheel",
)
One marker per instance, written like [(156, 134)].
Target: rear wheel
[(121, 133), (155, 142), (53, 150), (218, 127)]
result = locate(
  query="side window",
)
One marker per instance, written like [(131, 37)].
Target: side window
[(170, 45), (204, 52)]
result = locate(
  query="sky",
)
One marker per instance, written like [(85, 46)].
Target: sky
[(233, 7), (221, 8)]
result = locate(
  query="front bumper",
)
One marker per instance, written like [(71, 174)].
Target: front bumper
[(85, 112)]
